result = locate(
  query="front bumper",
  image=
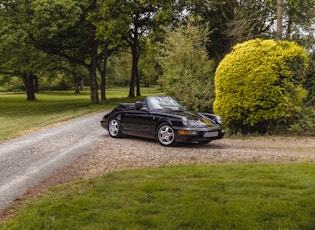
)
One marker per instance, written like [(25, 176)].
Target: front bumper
[(104, 124), (205, 135)]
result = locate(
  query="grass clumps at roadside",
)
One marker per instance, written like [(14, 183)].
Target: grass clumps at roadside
[(243, 196)]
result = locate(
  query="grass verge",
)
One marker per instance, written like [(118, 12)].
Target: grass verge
[(227, 196), (19, 116)]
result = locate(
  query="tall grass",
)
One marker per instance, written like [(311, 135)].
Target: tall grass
[(243, 196), (19, 116)]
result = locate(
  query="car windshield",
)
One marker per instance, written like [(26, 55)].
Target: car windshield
[(164, 103)]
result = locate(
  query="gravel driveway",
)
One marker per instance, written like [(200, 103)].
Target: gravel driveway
[(28, 160), (113, 154)]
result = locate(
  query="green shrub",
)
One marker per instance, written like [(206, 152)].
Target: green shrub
[(309, 83), (188, 73), (260, 84)]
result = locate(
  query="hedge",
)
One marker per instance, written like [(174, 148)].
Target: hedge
[(259, 83)]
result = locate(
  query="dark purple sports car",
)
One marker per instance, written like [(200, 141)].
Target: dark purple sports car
[(162, 118)]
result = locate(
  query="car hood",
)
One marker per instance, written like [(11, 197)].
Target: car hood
[(194, 119), (188, 114)]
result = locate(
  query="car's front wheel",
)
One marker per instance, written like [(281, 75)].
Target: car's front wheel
[(114, 128), (165, 135)]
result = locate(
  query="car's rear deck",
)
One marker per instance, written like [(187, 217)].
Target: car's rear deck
[(130, 106)]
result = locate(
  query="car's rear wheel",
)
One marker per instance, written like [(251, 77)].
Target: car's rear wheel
[(165, 135), (114, 128)]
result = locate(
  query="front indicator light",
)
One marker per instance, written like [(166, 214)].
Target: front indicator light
[(183, 132), (187, 132)]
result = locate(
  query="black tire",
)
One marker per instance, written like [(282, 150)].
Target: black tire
[(165, 135), (114, 129)]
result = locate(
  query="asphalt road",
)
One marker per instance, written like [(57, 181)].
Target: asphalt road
[(28, 160)]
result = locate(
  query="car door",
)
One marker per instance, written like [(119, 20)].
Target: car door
[(139, 123)]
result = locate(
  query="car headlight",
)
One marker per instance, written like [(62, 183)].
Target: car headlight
[(185, 121), (218, 119)]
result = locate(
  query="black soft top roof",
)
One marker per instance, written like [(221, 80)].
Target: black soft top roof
[(130, 106), (126, 106)]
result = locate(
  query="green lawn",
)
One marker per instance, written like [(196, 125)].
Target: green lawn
[(19, 116), (226, 196)]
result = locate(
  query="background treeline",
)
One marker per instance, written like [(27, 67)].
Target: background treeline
[(58, 44)]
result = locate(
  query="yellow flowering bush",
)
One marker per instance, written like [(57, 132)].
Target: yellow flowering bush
[(260, 83)]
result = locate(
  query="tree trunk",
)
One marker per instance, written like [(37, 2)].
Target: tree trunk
[(28, 79), (135, 59), (289, 24), (279, 19), (81, 85), (104, 74), (36, 85), (77, 85), (92, 72), (133, 72), (138, 78)]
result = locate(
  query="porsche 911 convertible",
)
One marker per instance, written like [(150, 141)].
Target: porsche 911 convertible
[(162, 118)]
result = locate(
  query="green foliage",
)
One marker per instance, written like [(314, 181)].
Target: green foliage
[(303, 123), (150, 69), (133, 22), (260, 83), (12, 84), (309, 84), (58, 82), (119, 71), (187, 70), (228, 196)]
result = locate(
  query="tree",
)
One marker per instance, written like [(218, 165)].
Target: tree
[(106, 51), (134, 21), (18, 58), (279, 19), (260, 83), (300, 20), (62, 28), (231, 22), (58, 28), (187, 71), (295, 18)]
